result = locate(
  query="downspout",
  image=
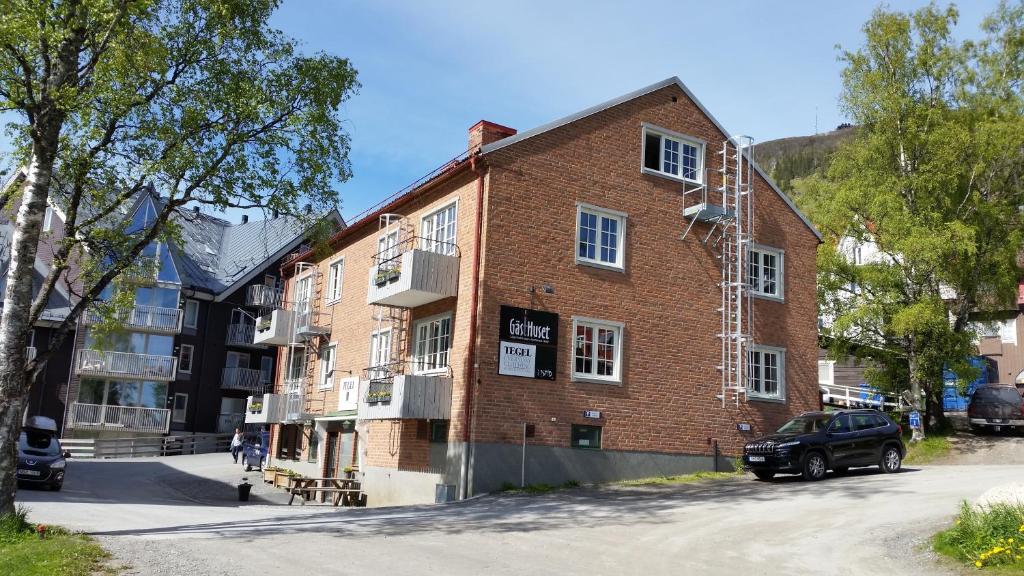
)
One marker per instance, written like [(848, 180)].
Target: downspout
[(470, 365)]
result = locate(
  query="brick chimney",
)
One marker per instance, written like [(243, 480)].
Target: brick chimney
[(484, 132)]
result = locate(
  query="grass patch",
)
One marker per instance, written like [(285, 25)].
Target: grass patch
[(60, 553), (541, 488), (933, 447), (990, 537), (682, 479)]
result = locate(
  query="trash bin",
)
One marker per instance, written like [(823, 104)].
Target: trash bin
[(243, 491)]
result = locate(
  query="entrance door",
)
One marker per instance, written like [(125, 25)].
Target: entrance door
[(345, 457), (331, 457)]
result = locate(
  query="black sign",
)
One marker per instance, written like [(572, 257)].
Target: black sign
[(529, 343)]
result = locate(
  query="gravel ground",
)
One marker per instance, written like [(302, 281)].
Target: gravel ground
[(180, 516)]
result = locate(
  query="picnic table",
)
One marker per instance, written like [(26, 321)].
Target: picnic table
[(344, 491)]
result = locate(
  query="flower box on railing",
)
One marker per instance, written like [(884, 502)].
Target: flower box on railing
[(388, 274)]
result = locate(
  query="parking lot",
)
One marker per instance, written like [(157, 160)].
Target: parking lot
[(178, 515)]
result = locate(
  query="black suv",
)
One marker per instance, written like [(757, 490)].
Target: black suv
[(814, 442)]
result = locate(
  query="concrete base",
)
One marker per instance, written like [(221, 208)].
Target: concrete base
[(498, 465), (390, 487)]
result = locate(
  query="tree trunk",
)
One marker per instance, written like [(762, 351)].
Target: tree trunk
[(916, 434), (14, 323)]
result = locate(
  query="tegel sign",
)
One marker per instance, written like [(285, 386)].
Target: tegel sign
[(529, 343)]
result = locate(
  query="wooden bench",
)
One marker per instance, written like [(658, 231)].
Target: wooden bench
[(345, 491)]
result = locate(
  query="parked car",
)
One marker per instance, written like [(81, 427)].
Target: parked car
[(815, 442), (41, 461), (995, 406)]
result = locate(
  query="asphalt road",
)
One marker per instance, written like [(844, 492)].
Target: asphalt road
[(176, 516)]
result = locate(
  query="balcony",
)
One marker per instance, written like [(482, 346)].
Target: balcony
[(248, 379), (266, 409), (121, 418), (309, 323), (226, 423), (274, 328), (242, 335), (414, 278), (143, 319), (263, 296), (415, 396), (126, 365)]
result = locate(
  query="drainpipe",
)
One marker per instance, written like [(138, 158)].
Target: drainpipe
[(470, 369)]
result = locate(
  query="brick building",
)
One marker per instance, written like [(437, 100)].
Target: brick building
[(540, 289)]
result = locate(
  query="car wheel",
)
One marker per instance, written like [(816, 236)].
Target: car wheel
[(891, 459), (764, 474), (814, 466), (248, 468), (840, 470)]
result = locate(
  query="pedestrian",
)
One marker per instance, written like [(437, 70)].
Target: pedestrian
[(236, 444)]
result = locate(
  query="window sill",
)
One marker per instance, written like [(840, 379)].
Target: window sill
[(439, 372), (600, 265), (768, 399), (769, 297), (667, 176), (332, 302), (593, 380)]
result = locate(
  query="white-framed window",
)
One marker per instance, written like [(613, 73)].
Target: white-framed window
[(387, 246), (596, 350), (765, 272), (826, 372), (672, 154), (327, 358), (767, 377), (335, 279), (185, 358), (433, 341), (191, 313), (266, 370), (439, 230), (600, 237), (380, 351), (179, 413), (48, 220)]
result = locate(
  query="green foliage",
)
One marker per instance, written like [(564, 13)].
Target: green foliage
[(60, 553), (982, 537), (932, 180), (932, 448), (682, 479)]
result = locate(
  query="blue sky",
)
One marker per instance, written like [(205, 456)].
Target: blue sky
[(430, 70)]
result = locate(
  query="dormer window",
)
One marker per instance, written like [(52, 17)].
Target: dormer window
[(667, 153)]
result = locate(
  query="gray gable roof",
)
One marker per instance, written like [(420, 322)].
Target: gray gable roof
[(215, 256), (499, 144)]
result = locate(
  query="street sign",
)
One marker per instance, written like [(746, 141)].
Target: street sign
[(592, 414), (915, 419)]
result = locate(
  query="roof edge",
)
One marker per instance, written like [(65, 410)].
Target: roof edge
[(499, 144)]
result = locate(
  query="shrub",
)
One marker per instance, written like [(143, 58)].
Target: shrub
[(988, 536), (15, 524)]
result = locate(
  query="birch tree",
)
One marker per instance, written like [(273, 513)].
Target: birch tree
[(932, 180), (200, 99)]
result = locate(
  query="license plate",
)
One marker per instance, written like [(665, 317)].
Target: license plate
[(998, 421), (28, 472), (756, 458)]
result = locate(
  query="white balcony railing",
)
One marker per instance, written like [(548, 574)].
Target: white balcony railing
[(413, 278), (126, 365), (242, 335), (309, 322), (294, 401), (263, 296), (30, 353), (123, 418), (265, 409), (226, 423), (144, 318), (248, 379)]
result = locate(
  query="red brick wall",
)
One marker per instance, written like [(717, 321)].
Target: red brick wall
[(667, 297)]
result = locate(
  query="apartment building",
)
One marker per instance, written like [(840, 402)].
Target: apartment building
[(1001, 342), (183, 359), (616, 294)]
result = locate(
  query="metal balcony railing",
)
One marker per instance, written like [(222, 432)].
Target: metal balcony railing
[(124, 418), (309, 322), (388, 262), (126, 365), (242, 335), (226, 423), (263, 296), (294, 406), (381, 380), (144, 318), (249, 379)]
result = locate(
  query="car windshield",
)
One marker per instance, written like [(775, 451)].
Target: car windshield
[(997, 394), (805, 424), (34, 443)]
